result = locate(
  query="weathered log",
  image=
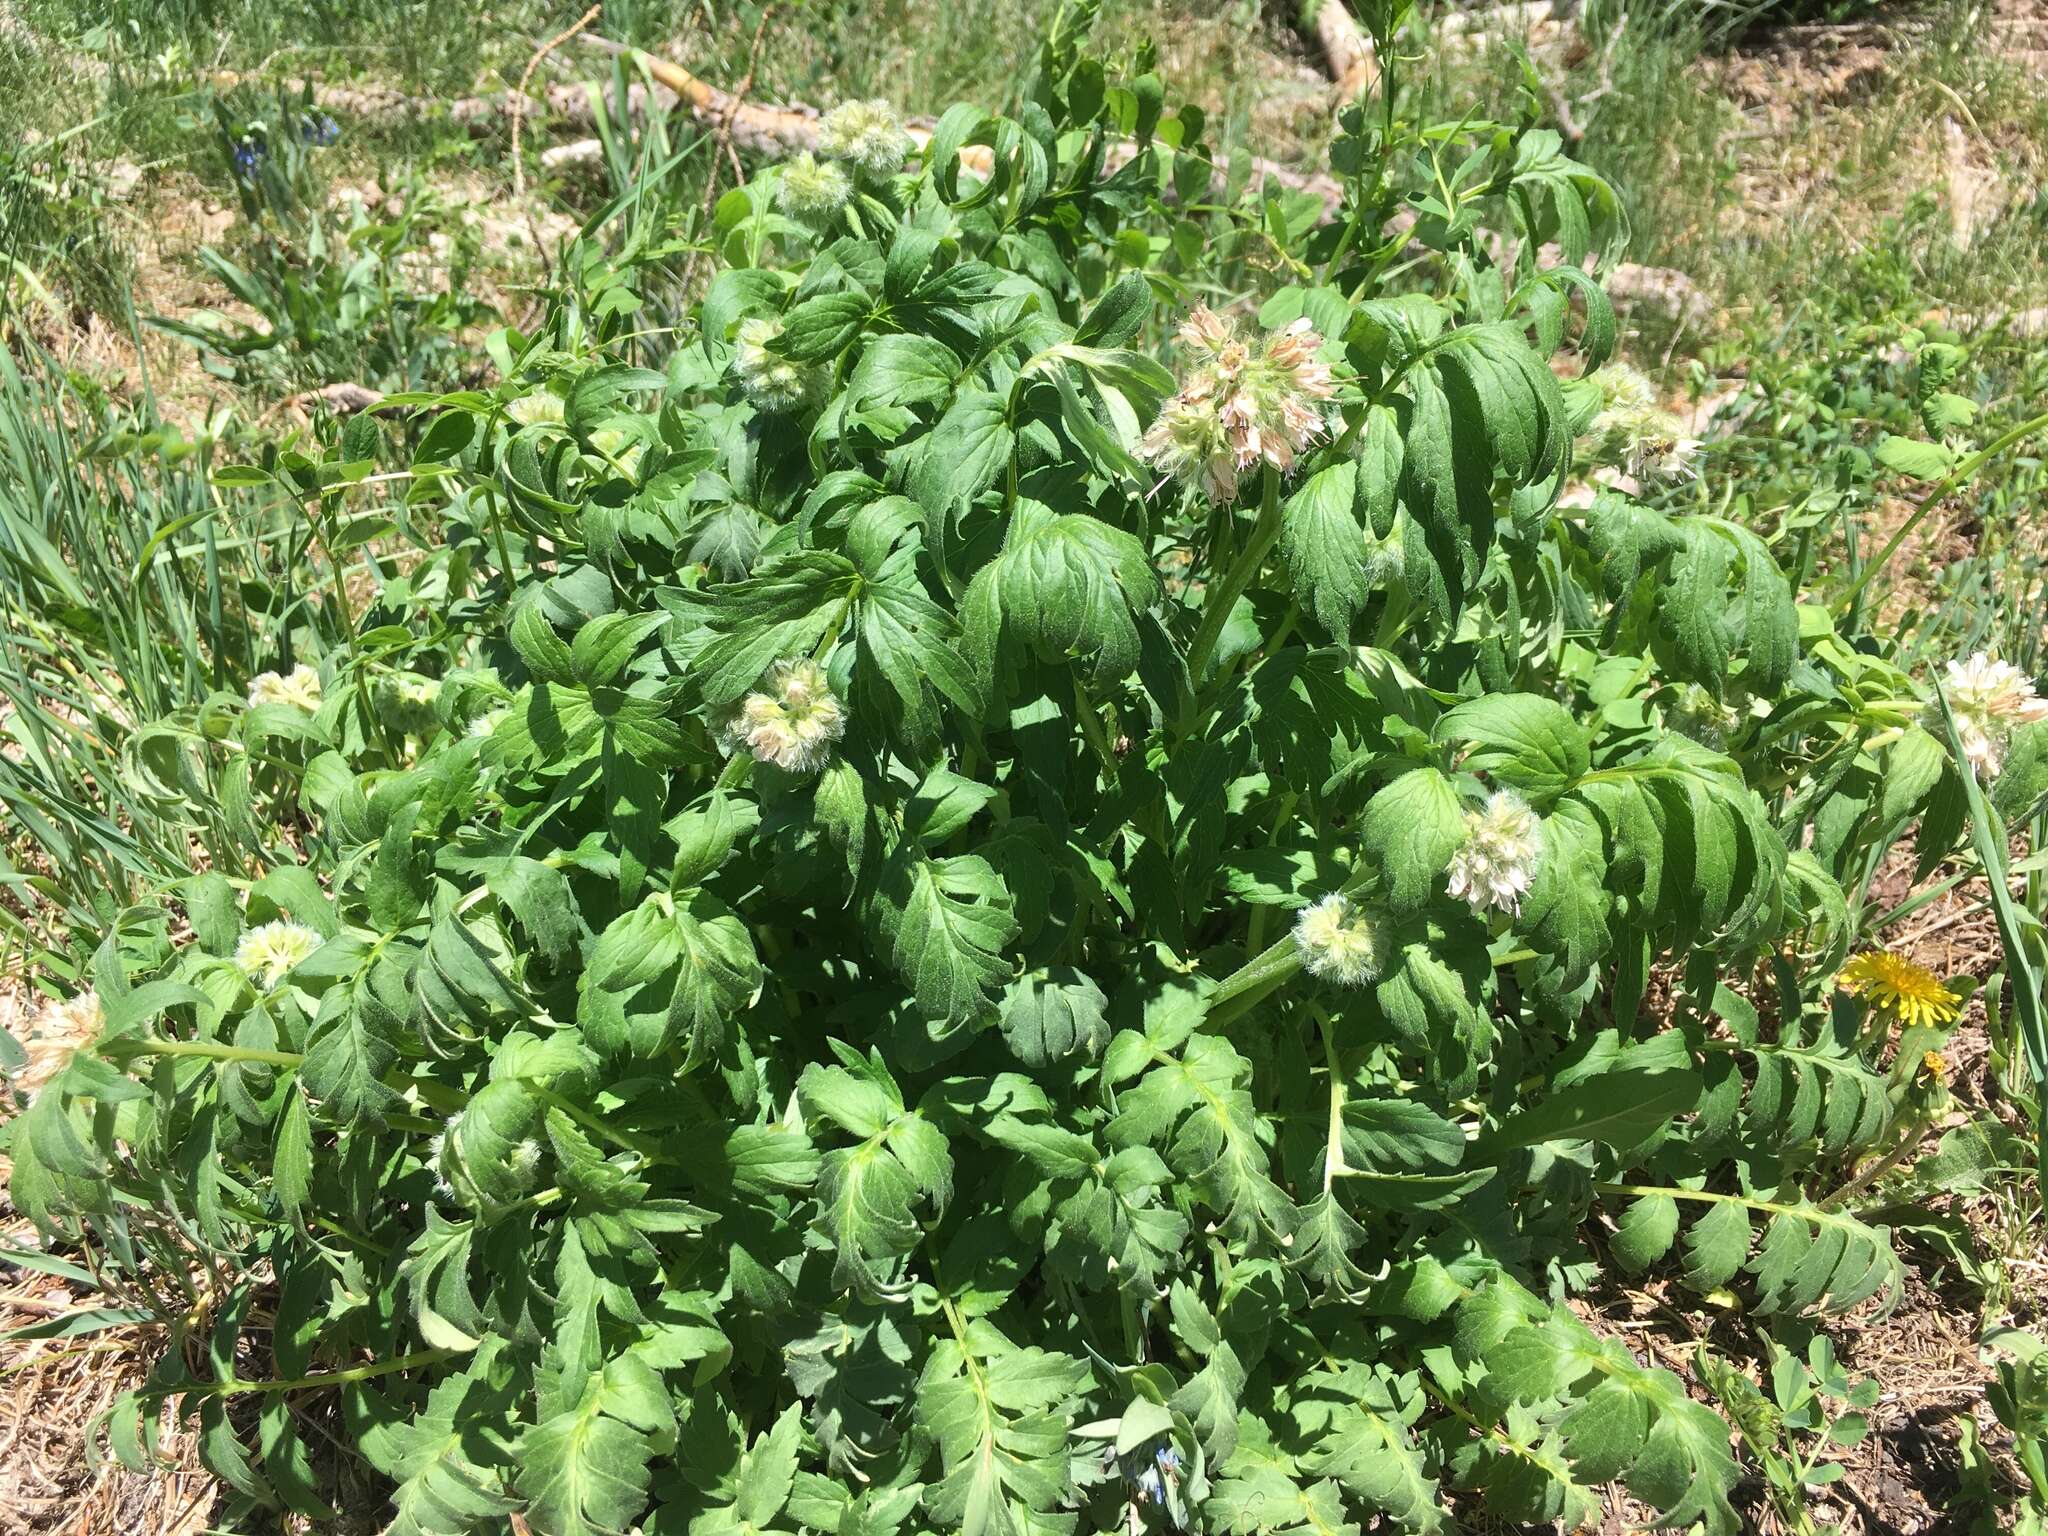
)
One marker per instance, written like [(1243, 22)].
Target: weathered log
[(1347, 51)]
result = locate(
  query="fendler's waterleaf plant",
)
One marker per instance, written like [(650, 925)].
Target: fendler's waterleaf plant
[(974, 896)]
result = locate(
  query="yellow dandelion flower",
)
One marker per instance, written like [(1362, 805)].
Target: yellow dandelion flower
[(1910, 993), (1935, 1065)]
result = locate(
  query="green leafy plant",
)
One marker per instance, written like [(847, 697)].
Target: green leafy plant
[(348, 295), (1023, 893), (1793, 1429), (2019, 1397)]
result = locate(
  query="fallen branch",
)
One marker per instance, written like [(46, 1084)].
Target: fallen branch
[(519, 97), (784, 130), (1473, 27), (1346, 50), (788, 129)]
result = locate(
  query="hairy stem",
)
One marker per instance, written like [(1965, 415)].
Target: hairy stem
[(1221, 598)]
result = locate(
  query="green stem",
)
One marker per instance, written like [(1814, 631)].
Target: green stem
[(1333, 1150), (1280, 818), (1933, 499), (597, 1127), (1774, 1207), (209, 1049), (1251, 981), (1221, 598), (1909, 1138), (234, 1387), (1091, 727)]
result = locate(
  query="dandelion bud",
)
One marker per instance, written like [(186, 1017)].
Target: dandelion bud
[(1339, 943), (299, 689), (813, 190), (867, 136), (771, 381), (793, 722), (271, 951), (1989, 699), (1242, 404), (1496, 864)]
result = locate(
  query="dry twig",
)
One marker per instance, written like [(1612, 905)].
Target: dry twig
[(519, 97)]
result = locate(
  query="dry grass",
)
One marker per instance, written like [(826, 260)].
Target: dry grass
[(55, 1480)]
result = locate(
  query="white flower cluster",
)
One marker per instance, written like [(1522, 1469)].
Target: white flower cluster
[(76, 1019), (1243, 403), (61, 1030), (1646, 440), (813, 190), (771, 381), (793, 722), (270, 951), (1989, 699), (867, 136), (1496, 864), (1338, 942), (298, 689)]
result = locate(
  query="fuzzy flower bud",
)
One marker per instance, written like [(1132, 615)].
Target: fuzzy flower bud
[(407, 700), (1696, 713), (1338, 942), (271, 951), (771, 381), (1625, 392), (1989, 700), (298, 689), (792, 722), (813, 190), (541, 405), (867, 136), (1496, 864), (1243, 403)]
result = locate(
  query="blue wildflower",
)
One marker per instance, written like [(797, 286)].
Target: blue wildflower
[(1158, 1477), (249, 156), (319, 130)]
